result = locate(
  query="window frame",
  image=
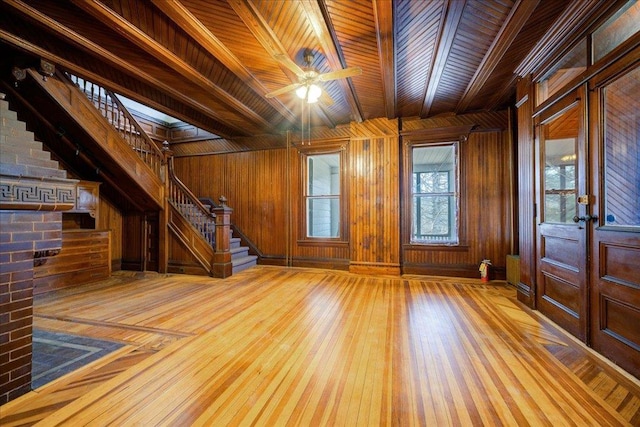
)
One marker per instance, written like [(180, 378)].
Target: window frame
[(305, 154), (410, 176)]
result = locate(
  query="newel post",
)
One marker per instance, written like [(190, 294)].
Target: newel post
[(222, 266), (163, 226)]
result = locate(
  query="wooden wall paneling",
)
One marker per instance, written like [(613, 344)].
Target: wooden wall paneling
[(132, 241), (526, 192), (374, 193), (110, 218), (485, 225)]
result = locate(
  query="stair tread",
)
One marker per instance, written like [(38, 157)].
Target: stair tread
[(244, 260)]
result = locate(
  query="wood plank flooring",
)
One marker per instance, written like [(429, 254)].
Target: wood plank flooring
[(275, 346)]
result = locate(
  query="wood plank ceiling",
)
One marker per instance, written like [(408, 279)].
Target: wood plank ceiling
[(210, 63)]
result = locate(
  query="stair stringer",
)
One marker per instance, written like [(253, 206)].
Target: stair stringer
[(79, 108), (191, 239)]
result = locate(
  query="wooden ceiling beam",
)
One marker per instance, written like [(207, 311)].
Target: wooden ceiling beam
[(330, 45), (251, 17), (518, 17), (108, 57), (383, 15), (89, 75), (177, 12), (132, 33), (452, 14)]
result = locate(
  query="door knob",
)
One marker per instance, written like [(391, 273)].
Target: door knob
[(585, 218)]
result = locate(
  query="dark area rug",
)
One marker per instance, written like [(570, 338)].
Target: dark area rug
[(56, 354)]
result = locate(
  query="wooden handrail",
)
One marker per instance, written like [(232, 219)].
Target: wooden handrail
[(190, 207), (117, 114)]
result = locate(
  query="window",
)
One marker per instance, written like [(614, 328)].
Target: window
[(616, 30), (322, 196), (568, 68), (434, 190), (622, 151)]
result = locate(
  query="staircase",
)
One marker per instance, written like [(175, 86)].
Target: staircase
[(240, 257), (129, 153)]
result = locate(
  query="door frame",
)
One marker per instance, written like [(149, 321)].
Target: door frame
[(575, 320), (614, 289)]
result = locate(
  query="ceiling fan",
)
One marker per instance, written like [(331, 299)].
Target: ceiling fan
[(308, 78)]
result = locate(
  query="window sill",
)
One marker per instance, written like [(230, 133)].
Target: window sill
[(323, 242), (435, 247)]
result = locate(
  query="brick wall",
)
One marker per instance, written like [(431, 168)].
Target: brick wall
[(22, 234), (33, 191)]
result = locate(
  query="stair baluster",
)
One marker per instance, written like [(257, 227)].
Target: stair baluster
[(116, 114), (191, 208)]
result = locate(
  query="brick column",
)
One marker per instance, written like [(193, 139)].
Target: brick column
[(22, 235), (33, 191)]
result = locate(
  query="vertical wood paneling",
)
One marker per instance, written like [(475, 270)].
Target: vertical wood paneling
[(374, 193), (255, 184), (132, 248), (110, 218), (526, 194), (485, 229)]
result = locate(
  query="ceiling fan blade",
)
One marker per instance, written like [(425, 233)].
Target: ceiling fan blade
[(287, 62), (282, 90), (340, 74)]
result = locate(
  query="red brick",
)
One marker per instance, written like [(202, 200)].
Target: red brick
[(5, 237), (24, 294), (23, 332), (22, 351), (15, 326), (47, 244), (14, 385), (21, 256), (16, 246), (17, 266), (20, 314), (16, 363), (28, 236), (8, 347), (24, 370), (24, 389), (29, 216), (4, 277), (15, 305), (20, 276), (52, 235), (48, 226), (19, 227)]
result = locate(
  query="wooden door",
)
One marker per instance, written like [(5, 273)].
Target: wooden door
[(615, 253), (561, 288), (151, 246)]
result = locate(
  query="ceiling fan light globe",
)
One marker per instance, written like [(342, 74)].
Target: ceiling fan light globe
[(301, 92), (314, 92)]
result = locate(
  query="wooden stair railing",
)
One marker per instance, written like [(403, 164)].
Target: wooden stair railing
[(117, 114), (143, 180), (190, 207), (205, 234)]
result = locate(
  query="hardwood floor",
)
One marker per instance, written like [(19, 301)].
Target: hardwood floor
[(277, 346)]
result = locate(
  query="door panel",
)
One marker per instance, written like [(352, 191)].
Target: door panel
[(561, 289), (615, 253)]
